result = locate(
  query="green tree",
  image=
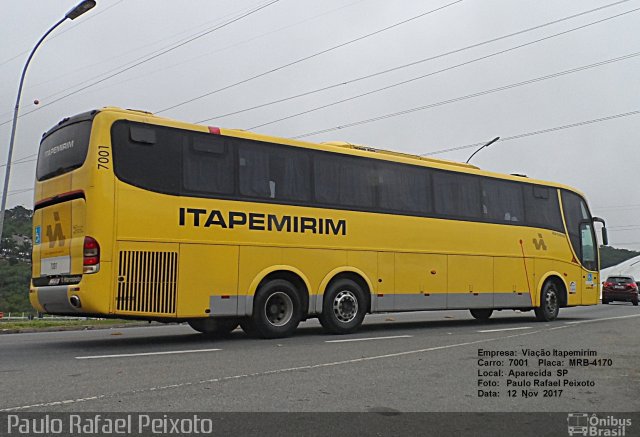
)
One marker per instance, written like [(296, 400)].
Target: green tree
[(610, 256), (14, 286)]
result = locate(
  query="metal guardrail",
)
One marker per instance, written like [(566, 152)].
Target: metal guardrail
[(27, 316)]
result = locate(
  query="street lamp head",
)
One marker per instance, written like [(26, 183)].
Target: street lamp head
[(80, 9)]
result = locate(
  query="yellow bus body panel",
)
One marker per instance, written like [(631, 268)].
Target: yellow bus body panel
[(204, 270)]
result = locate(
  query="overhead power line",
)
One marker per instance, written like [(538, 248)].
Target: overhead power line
[(19, 191), (19, 162), (468, 96), (619, 207), (160, 69), (62, 32), (306, 58), (404, 82), (441, 55), (154, 56), (22, 160), (365, 77), (539, 132), (146, 74)]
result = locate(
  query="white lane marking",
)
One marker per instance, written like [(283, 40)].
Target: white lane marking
[(291, 369), (269, 372), (505, 329), (599, 320), (193, 351), (368, 338)]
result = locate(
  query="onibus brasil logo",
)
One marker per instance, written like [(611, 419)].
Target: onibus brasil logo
[(594, 425)]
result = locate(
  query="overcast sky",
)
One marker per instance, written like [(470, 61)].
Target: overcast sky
[(474, 70)]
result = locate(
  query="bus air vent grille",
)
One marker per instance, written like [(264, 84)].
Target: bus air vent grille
[(147, 282)]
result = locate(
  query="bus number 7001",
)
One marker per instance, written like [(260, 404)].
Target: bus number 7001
[(103, 157)]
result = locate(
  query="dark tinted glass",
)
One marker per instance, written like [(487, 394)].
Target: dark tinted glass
[(404, 188), (573, 216), (63, 150), (542, 207), (344, 181), (620, 279), (502, 201), (209, 164), (157, 166), (183, 162), (582, 237), (456, 195), (272, 172)]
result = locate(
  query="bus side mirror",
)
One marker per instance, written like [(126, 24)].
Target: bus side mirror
[(605, 235)]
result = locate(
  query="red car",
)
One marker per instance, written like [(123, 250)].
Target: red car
[(621, 288)]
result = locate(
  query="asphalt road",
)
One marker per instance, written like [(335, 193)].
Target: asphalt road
[(396, 362)]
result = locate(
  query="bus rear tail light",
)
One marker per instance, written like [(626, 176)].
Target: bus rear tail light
[(91, 252)]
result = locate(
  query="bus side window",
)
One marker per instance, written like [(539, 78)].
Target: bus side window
[(344, 182), (148, 156), (542, 207), (274, 172), (208, 165), (254, 172), (502, 201), (457, 195), (404, 188)]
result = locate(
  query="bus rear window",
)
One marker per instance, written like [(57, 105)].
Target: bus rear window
[(63, 150)]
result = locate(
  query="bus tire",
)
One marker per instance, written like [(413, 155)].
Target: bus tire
[(277, 309), (549, 303), (214, 327), (343, 308), (481, 314)]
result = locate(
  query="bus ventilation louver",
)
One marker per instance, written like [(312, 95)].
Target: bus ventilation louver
[(147, 282)]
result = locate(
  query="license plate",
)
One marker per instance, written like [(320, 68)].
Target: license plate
[(59, 265)]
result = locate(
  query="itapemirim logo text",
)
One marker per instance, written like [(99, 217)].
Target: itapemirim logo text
[(595, 425)]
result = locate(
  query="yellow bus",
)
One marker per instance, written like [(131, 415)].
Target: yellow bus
[(142, 217)]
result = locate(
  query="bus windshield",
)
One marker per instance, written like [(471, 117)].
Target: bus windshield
[(63, 150)]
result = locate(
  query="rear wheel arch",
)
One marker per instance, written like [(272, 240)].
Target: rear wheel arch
[(561, 285), (277, 309), (552, 297), (354, 275), (287, 273)]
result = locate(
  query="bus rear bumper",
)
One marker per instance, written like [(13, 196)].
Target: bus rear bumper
[(58, 299)]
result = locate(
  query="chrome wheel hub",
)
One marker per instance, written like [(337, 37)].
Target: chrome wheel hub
[(345, 306)]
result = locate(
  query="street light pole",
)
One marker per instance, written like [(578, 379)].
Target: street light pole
[(74, 13)]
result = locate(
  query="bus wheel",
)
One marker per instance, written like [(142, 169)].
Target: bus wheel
[(214, 327), (276, 309), (481, 314), (549, 303), (344, 307)]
